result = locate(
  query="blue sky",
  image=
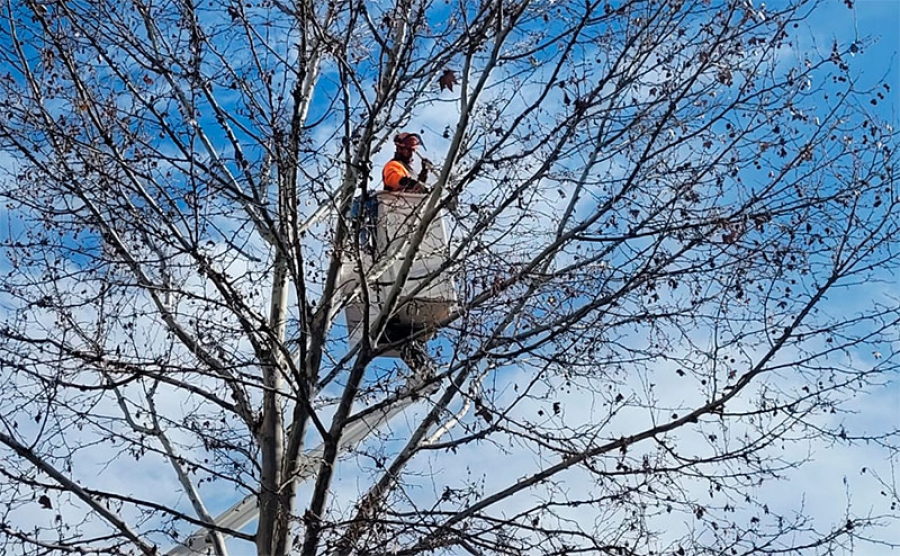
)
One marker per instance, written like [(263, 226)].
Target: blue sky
[(875, 24)]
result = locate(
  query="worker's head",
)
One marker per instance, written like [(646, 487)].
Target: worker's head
[(406, 145)]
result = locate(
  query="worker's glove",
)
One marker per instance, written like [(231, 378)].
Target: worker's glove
[(426, 167), (452, 200), (408, 184), (452, 203)]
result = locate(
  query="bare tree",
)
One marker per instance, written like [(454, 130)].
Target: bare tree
[(659, 213)]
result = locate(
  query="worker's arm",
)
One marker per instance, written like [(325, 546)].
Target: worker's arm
[(396, 178)]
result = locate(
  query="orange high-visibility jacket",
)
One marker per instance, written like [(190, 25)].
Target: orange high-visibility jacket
[(393, 172)]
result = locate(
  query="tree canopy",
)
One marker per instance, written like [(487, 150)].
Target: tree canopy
[(672, 231)]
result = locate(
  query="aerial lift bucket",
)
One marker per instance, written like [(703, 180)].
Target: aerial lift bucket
[(427, 297)]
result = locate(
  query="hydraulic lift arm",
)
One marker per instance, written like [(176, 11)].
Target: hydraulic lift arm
[(244, 512)]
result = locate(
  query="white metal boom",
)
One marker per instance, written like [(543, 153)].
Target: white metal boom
[(244, 512)]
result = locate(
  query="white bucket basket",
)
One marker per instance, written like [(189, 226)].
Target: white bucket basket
[(427, 296)]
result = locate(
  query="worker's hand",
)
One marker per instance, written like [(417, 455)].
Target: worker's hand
[(423, 174), (408, 184), (452, 203)]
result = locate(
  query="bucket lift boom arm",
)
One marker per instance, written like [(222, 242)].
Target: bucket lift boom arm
[(244, 512)]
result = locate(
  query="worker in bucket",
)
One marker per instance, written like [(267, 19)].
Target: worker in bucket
[(398, 174)]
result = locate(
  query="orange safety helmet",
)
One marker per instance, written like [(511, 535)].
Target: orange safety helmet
[(408, 140)]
